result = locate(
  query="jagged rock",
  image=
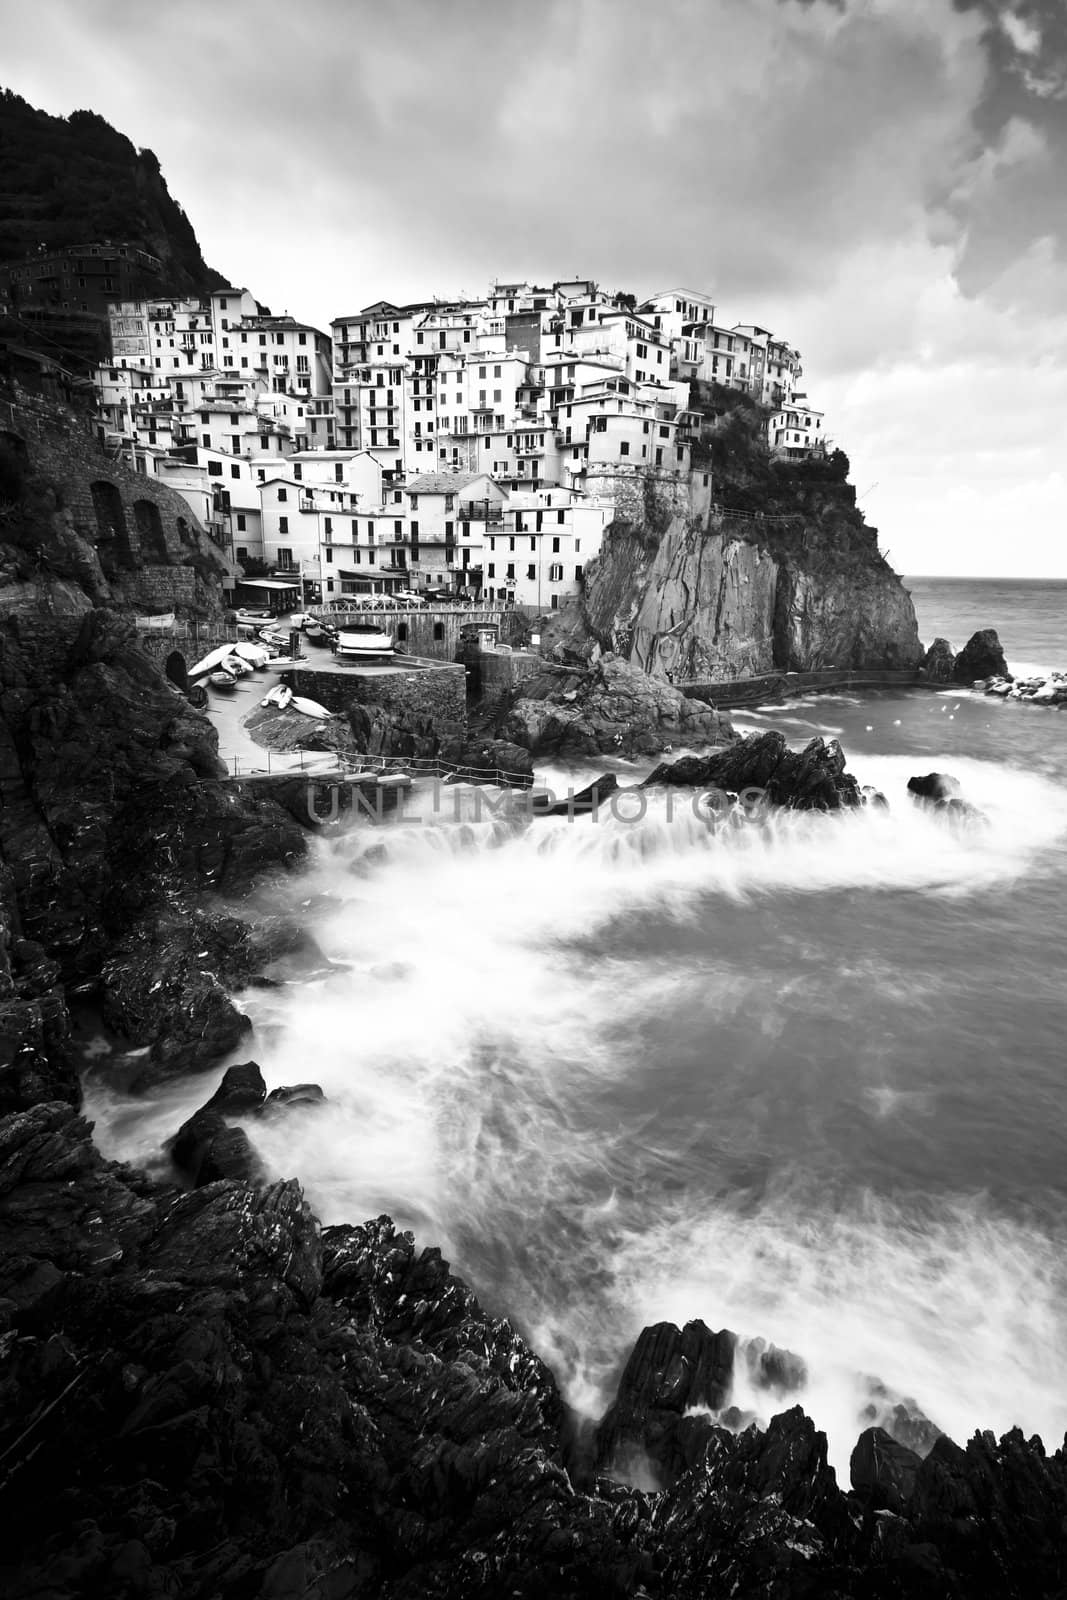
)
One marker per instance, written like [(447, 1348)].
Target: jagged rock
[(778, 1370), (981, 657), (938, 663), (610, 709), (581, 804), (940, 792), (670, 1371), (206, 1396), (488, 755), (811, 779), (162, 987), (883, 1471), (242, 1089), (294, 1094), (935, 786)]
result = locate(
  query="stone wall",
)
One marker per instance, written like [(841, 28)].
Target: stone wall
[(430, 634), (154, 553), (637, 492), (431, 693), (499, 672)]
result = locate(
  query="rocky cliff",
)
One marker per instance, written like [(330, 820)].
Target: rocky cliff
[(112, 823), (783, 575)]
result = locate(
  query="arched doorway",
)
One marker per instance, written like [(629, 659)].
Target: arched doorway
[(14, 464), (149, 525), (112, 535), (176, 671)]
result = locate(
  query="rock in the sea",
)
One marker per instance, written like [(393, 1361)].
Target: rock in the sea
[(935, 787), (938, 662), (981, 657), (671, 1371), (610, 709), (940, 792), (294, 1094), (812, 779)]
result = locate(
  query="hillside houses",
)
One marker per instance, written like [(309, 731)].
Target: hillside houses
[(477, 447)]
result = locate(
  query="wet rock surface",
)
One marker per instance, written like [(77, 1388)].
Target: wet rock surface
[(981, 657), (611, 708), (206, 1394), (812, 779), (937, 664)]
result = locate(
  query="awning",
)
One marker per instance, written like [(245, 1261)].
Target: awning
[(267, 583)]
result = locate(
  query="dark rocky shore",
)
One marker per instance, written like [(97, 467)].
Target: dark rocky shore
[(204, 1393)]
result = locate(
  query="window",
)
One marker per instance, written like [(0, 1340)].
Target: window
[(438, 630), (235, 471), (624, 448), (285, 557), (283, 494), (531, 571), (283, 524), (241, 520), (577, 572), (402, 631), (491, 569), (329, 555), (555, 546), (511, 569), (555, 572), (214, 469)]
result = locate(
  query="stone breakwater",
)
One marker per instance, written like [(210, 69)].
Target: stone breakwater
[(1040, 689)]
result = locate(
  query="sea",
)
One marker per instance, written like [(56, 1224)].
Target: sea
[(803, 1078)]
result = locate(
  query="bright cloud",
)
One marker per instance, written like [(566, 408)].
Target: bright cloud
[(871, 178)]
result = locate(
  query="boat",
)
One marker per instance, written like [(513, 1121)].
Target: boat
[(365, 640), (313, 629), (310, 708), (255, 654), (214, 659), (236, 666), (394, 780), (221, 680), (279, 696)]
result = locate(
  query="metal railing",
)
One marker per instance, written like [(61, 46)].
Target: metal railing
[(346, 768)]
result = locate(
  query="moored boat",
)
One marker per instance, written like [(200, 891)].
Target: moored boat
[(221, 680), (365, 640)]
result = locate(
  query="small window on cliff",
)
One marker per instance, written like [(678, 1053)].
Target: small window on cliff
[(438, 630), (402, 631)]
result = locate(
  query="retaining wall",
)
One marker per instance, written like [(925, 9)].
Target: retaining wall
[(434, 693)]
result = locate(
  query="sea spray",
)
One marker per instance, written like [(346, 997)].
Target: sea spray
[(625, 1071)]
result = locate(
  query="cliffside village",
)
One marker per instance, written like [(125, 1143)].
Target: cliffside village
[(463, 449)]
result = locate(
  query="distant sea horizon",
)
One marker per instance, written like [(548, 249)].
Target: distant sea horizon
[(1029, 615)]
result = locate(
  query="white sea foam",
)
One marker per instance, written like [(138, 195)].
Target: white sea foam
[(479, 1022)]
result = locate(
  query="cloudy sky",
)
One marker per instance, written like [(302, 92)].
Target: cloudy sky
[(882, 182)]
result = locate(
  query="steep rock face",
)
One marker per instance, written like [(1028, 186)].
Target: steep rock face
[(730, 601)]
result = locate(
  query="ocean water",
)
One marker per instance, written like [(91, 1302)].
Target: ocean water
[(1030, 615), (805, 1080)]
